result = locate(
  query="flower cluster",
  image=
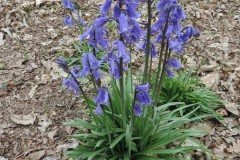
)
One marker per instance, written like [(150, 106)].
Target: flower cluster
[(168, 26), (172, 64), (96, 34), (167, 30), (70, 82), (69, 21)]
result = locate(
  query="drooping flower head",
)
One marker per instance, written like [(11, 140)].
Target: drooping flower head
[(122, 53), (174, 63), (97, 39), (69, 21), (117, 51), (105, 7), (169, 72), (102, 97), (72, 85), (75, 72), (116, 11), (142, 95), (101, 100), (114, 68), (189, 32), (62, 64), (131, 10), (99, 110), (90, 66), (97, 33), (122, 23), (69, 5), (134, 32), (176, 45), (138, 110), (100, 22)]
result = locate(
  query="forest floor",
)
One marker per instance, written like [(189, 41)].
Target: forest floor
[(33, 104)]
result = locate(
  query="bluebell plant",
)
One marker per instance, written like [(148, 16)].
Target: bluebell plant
[(126, 118)]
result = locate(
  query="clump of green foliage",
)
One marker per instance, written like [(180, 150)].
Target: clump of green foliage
[(189, 89)]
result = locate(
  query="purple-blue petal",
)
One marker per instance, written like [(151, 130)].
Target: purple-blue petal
[(174, 62), (116, 12), (84, 35), (75, 72), (105, 7), (102, 97), (142, 95), (69, 21), (99, 110), (62, 64), (196, 32), (138, 110), (68, 4), (71, 85), (131, 11), (176, 46), (122, 23), (169, 73), (100, 22)]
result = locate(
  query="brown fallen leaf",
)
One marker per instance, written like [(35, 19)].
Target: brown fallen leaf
[(232, 107), (44, 79), (53, 69), (211, 80), (219, 150), (64, 147), (235, 148), (23, 119), (52, 134), (68, 129), (205, 127), (37, 155), (17, 64)]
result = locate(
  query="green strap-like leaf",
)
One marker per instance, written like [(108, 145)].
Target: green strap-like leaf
[(168, 105), (96, 153), (99, 142), (149, 158), (118, 139), (169, 151), (80, 123)]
